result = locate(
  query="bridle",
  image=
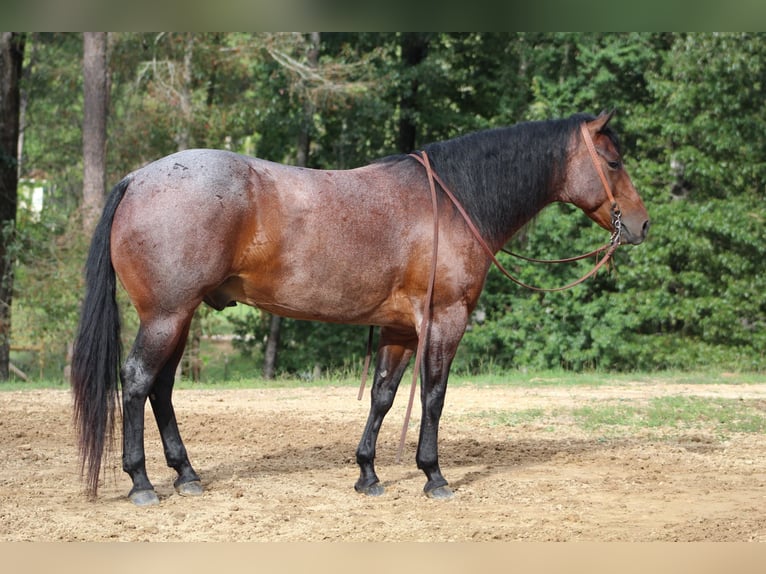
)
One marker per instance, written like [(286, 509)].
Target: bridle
[(433, 178), (616, 213), (610, 248)]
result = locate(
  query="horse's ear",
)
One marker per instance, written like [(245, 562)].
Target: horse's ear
[(600, 122)]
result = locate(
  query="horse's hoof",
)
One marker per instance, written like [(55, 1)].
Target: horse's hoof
[(144, 498), (192, 488), (375, 489), (440, 493)]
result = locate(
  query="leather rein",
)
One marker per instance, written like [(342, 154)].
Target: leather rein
[(433, 178)]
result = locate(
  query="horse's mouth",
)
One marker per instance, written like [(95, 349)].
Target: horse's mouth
[(633, 238)]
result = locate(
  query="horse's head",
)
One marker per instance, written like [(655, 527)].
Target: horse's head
[(586, 188)]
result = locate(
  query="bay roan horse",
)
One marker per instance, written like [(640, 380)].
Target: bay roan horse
[(352, 246)]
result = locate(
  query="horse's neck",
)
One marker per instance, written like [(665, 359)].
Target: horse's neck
[(503, 177), (520, 210)]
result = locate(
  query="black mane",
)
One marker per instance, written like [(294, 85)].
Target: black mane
[(503, 177)]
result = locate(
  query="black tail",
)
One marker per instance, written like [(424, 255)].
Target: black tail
[(97, 351)]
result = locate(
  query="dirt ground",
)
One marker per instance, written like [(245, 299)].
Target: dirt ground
[(278, 465)]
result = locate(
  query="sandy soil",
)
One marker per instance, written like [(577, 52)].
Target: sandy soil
[(278, 465)]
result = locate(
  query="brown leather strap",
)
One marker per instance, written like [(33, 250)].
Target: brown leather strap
[(596, 163), (551, 261)]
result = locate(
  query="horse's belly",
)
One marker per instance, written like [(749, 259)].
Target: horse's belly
[(313, 295)]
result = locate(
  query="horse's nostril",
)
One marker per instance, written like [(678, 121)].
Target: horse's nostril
[(645, 229)]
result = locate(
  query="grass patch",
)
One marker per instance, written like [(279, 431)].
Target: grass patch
[(675, 412), (597, 417)]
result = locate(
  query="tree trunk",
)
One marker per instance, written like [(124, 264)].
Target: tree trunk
[(271, 352), (95, 101), (414, 46), (11, 60), (183, 134), (24, 97)]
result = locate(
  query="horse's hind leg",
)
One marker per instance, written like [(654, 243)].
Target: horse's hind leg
[(160, 397), (154, 356), (394, 353)]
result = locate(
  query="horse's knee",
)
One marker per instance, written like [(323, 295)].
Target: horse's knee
[(383, 397), (427, 458), (135, 381)]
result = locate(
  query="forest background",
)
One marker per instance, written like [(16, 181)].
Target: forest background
[(691, 116)]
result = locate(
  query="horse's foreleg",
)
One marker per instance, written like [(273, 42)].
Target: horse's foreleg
[(394, 352), (434, 372), (432, 395), (154, 346), (188, 482)]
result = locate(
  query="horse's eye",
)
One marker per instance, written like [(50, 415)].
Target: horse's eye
[(613, 164)]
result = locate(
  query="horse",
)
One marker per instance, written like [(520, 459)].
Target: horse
[(351, 246)]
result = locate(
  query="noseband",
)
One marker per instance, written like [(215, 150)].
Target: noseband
[(616, 213)]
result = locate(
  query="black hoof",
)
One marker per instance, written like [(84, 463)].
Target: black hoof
[(375, 489), (144, 498), (192, 488), (440, 493)]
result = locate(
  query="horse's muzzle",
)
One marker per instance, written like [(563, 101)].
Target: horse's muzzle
[(630, 235)]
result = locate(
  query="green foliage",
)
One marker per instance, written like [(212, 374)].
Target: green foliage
[(691, 115), (711, 88), (691, 296), (52, 86), (309, 349)]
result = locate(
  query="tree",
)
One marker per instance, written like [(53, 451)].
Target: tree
[(700, 297), (690, 113), (11, 60), (95, 103), (414, 47), (50, 242), (691, 119)]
